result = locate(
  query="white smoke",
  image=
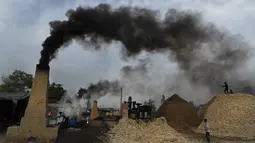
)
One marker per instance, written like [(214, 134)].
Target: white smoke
[(150, 75), (72, 108)]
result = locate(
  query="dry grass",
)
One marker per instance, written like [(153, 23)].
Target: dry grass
[(232, 115), (157, 131), (179, 113)]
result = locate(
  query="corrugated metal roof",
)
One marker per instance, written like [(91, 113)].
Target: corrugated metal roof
[(13, 95)]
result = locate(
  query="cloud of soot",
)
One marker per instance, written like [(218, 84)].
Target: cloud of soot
[(201, 50)]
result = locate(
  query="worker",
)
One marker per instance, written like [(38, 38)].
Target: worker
[(104, 123), (65, 118), (102, 119), (118, 119), (207, 130), (225, 87), (87, 120), (231, 91)]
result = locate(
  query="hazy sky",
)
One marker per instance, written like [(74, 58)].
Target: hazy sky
[(24, 26)]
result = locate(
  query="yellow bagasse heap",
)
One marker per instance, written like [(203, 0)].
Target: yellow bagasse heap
[(231, 115), (157, 131)]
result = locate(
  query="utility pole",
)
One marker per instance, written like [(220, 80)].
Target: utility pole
[(88, 101), (120, 98)]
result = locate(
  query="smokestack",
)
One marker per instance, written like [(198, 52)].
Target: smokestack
[(34, 121), (124, 111), (129, 102), (39, 92), (94, 111), (45, 68)]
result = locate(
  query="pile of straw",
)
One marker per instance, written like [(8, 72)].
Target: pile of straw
[(231, 115), (157, 131), (179, 113)]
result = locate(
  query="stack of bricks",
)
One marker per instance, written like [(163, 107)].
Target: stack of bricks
[(124, 111), (34, 121)]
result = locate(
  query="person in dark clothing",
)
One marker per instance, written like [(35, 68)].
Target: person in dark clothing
[(118, 119), (65, 120), (102, 119), (231, 92), (225, 87), (207, 130), (63, 115)]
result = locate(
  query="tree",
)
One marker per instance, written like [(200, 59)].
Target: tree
[(55, 92), (151, 103), (196, 107), (16, 81), (81, 93), (21, 81), (163, 99)]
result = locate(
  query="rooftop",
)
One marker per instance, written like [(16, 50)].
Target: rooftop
[(13, 95)]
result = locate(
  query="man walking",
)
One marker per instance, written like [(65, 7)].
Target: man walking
[(225, 87), (207, 130)]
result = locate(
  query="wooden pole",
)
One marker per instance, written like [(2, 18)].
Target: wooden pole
[(120, 100)]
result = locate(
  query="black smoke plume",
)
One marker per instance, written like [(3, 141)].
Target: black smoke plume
[(128, 74), (183, 33), (102, 87), (137, 28)]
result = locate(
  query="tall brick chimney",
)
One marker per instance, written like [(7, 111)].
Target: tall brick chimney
[(37, 104), (124, 111), (34, 121), (94, 111)]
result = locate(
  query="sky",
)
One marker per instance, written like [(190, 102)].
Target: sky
[(24, 26)]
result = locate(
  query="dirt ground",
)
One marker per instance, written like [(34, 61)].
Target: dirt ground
[(2, 138), (88, 134), (190, 134), (91, 134)]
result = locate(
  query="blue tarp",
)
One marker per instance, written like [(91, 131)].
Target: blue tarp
[(72, 123)]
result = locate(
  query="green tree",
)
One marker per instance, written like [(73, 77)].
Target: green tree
[(55, 92), (21, 81), (16, 81)]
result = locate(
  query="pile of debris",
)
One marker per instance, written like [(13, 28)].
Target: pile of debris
[(157, 131), (179, 113), (231, 116)]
